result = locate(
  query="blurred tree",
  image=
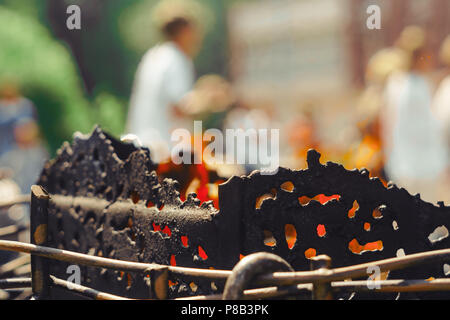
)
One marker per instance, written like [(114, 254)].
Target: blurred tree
[(105, 59), (46, 74)]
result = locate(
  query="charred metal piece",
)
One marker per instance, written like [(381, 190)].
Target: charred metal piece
[(106, 200), (248, 269)]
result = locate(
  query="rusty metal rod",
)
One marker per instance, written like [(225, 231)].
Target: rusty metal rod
[(394, 285), (260, 293), (356, 271), (21, 199), (94, 261), (83, 291), (15, 283), (349, 286), (277, 278)]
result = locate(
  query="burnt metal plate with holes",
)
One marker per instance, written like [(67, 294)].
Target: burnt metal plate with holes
[(346, 215), (107, 200)]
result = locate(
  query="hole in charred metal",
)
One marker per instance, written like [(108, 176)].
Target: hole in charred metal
[(321, 230), (394, 225), (129, 280), (173, 261), (156, 227), (356, 248), (193, 287), (446, 269), (269, 239), (400, 253), (367, 226), (167, 231), (439, 234), (377, 214), (353, 210), (321, 198), (291, 235), (260, 200), (202, 253), (310, 253), (185, 241), (287, 186)]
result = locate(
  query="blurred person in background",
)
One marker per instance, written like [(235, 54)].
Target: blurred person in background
[(414, 148), (374, 122), (164, 76), (22, 155), (21, 151), (441, 108)]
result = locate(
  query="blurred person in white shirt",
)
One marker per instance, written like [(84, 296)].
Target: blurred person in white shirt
[(441, 108), (164, 76), (415, 150)]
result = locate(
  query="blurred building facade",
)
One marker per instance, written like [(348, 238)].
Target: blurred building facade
[(289, 51)]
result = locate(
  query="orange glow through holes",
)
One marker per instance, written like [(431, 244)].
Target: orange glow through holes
[(321, 231), (202, 253), (291, 235), (356, 248), (311, 252), (185, 241), (167, 231), (352, 211)]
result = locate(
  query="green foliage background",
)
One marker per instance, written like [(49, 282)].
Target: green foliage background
[(48, 75)]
